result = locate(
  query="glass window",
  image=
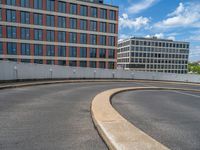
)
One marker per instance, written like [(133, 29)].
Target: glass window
[(73, 23), (25, 60), (11, 32), (62, 51), (83, 38), (102, 53), (38, 34), (38, 50), (0, 14), (83, 24), (93, 64), (93, 39), (50, 62), (83, 63), (25, 33), (38, 19), (111, 53), (93, 25), (25, 49), (1, 48), (11, 2), (111, 41), (25, 17), (50, 5), (72, 52), (72, 37), (50, 35), (73, 63), (61, 36), (1, 32), (73, 9), (93, 12), (93, 52), (111, 65), (38, 4), (112, 28), (24, 3), (102, 64), (62, 22), (103, 13), (11, 15), (102, 40), (83, 10), (83, 52), (62, 62), (112, 15), (61, 7), (11, 48), (50, 50), (102, 27), (50, 20)]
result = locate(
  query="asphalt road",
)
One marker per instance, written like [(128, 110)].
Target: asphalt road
[(170, 117), (53, 117), (50, 117)]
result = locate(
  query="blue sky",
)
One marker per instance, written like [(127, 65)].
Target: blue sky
[(173, 19)]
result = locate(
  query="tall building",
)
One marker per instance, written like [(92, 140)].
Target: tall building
[(61, 32), (153, 55)]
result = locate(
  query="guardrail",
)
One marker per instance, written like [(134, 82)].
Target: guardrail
[(22, 71)]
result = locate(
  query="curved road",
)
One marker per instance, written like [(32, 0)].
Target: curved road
[(54, 117), (170, 117)]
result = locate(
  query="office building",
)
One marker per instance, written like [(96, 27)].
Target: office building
[(153, 55), (79, 33)]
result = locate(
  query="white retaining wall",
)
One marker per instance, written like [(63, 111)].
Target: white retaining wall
[(14, 70)]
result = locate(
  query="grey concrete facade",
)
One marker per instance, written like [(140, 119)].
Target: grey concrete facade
[(153, 55)]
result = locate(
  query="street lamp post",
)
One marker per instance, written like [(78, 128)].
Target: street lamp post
[(132, 75), (74, 73), (51, 73), (95, 74), (113, 75), (16, 72)]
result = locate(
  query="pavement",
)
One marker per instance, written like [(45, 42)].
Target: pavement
[(55, 116), (170, 117)]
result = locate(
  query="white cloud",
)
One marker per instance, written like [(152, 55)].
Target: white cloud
[(178, 10), (123, 36), (195, 53), (137, 23), (161, 36), (138, 7), (171, 38), (185, 15)]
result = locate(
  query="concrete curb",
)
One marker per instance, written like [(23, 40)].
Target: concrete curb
[(116, 131), (36, 83)]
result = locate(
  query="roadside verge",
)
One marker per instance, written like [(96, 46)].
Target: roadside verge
[(116, 131)]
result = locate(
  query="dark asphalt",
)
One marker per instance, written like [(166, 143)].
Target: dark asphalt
[(52, 117), (170, 117)]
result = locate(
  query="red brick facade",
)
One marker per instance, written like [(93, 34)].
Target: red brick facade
[(18, 20)]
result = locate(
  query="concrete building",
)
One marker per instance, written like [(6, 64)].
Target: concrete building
[(61, 32), (153, 54)]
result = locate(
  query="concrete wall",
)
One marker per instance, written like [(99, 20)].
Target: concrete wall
[(14, 70)]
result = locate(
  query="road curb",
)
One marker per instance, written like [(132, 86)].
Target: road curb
[(36, 83), (116, 131)]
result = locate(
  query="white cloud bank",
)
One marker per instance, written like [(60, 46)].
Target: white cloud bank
[(185, 15), (138, 7), (137, 23), (161, 36)]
